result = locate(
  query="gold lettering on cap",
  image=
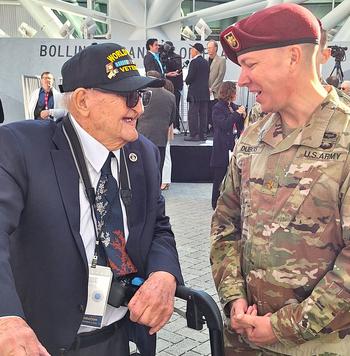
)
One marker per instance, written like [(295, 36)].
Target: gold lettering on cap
[(117, 54)]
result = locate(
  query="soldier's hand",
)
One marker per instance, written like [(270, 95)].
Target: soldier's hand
[(239, 306), (153, 303), (260, 331), (18, 339)]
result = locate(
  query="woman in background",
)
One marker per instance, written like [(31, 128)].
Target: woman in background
[(228, 123)]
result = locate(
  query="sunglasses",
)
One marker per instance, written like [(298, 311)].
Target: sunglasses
[(132, 97), (342, 88)]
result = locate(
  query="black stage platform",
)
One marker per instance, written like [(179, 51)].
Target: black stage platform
[(190, 160)]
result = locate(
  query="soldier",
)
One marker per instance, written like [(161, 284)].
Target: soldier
[(280, 234)]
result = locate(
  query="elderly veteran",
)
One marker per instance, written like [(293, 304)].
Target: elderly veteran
[(280, 234), (82, 220)]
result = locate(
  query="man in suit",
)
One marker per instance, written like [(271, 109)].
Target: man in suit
[(198, 94), (46, 102), (58, 235), (158, 116), (217, 70), (173, 69), (151, 61)]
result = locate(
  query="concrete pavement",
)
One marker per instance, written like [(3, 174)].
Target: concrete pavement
[(189, 208)]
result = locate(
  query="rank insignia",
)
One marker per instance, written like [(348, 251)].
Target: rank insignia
[(232, 40)]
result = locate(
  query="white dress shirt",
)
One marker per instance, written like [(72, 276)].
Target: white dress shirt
[(95, 156)]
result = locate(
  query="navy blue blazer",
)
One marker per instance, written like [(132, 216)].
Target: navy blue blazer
[(44, 271), (223, 140), (150, 63), (197, 79)]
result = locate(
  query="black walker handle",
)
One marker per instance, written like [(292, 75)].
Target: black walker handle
[(201, 308)]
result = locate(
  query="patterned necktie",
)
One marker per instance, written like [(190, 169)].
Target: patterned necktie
[(110, 226)]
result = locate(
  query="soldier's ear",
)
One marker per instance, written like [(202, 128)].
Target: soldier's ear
[(294, 57), (295, 54)]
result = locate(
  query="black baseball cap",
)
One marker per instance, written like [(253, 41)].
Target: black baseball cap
[(198, 46), (106, 66)]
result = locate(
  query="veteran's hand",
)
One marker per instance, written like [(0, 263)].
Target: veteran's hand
[(258, 328), (18, 339), (153, 303)]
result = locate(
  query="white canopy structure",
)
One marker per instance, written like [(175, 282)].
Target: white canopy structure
[(142, 19)]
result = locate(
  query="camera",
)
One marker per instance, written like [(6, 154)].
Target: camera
[(166, 50), (338, 53), (170, 60)]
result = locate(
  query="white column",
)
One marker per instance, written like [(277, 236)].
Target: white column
[(132, 11), (337, 15), (344, 33), (162, 10)]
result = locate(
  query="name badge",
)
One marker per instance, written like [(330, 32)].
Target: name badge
[(100, 279)]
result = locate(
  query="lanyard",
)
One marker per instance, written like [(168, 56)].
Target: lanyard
[(46, 99), (79, 159)]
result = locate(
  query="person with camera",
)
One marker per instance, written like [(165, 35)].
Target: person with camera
[(88, 258), (154, 59), (280, 252), (173, 71)]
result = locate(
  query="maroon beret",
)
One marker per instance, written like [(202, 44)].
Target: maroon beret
[(276, 26)]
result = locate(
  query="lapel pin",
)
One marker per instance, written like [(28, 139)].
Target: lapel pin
[(133, 157)]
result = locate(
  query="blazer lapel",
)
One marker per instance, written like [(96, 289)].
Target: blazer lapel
[(137, 211), (68, 182)]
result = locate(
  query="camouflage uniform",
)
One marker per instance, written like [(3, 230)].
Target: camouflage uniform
[(255, 114), (343, 97), (281, 231)]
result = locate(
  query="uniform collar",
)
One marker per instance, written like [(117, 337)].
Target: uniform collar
[(310, 135)]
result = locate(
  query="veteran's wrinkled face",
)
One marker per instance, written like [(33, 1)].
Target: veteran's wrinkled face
[(107, 118), (267, 74)]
